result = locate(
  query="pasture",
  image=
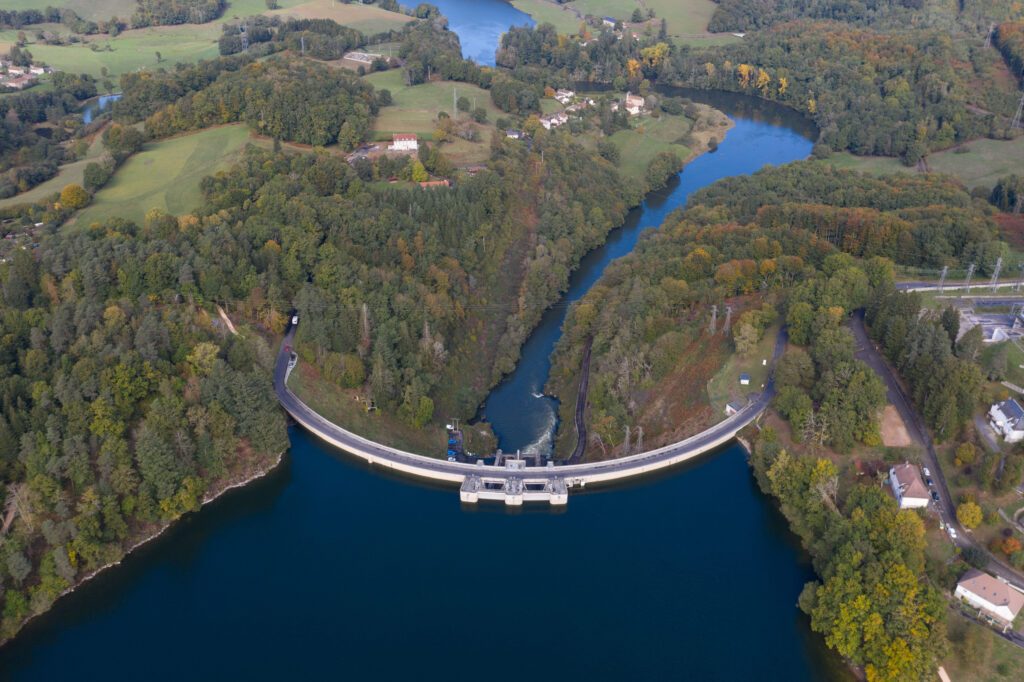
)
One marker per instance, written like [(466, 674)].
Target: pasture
[(166, 175), (981, 165), (69, 173), (369, 19)]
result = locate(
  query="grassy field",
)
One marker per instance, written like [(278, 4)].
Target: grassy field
[(984, 162), (136, 49), (93, 10), (545, 11), (725, 385), (166, 175), (651, 136), (68, 174), (366, 18), (415, 108), (991, 658)]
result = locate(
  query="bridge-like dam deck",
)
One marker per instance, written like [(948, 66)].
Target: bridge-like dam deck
[(514, 483)]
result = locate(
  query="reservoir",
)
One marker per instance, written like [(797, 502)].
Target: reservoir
[(329, 569)]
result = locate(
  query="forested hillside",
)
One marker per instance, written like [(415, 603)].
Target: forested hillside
[(775, 246), (122, 405)]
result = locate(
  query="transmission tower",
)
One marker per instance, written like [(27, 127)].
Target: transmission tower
[(1016, 117), (970, 272), (988, 38), (995, 274), (942, 278), (714, 318), (245, 37), (728, 319)]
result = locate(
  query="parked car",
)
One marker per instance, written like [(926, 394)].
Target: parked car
[(952, 532), (925, 470), (935, 496), (929, 482), (295, 320)]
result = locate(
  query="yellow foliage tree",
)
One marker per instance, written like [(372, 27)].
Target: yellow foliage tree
[(763, 81), (655, 54), (969, 514), (710, 69), (633, 68), (783, 85), (74, 197), (744, 72), (812, 105)]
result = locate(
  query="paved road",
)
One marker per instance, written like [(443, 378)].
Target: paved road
[(869, 353), (572, 474)]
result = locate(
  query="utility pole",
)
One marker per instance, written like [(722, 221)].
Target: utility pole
[(302, 41), (995, 274), (1020, 276), (714, 318), (942, 278), (625, 444), (728, 319), (967, 285), (639, 439)]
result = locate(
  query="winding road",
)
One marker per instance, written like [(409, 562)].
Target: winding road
[(572, 475)]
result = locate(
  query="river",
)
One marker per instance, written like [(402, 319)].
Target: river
[(330, 569)]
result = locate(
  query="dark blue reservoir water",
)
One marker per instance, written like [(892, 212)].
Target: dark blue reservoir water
[(328, 570), (525, 419), (480, 24)]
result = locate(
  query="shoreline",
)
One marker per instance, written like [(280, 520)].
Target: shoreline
[(208, 498)]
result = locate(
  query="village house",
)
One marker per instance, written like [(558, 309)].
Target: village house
[(427, 184), (554, 120), (732, 408), (1007, 419), (907, 487), (608, 21), (564, 96), (995, 599), (404, 142), (634, 104), (513, 134)]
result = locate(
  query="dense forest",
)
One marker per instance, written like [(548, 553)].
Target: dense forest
[(778, 245), (746, 15), (872, 602), (168, 12), (121, 407), (285, 99)]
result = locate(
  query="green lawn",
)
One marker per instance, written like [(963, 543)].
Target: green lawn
[(984, 162), (166, 175), (69, 173), (980, 655), (545, 11), (650, 136), (725, 385), (93, 10), (414, 109)]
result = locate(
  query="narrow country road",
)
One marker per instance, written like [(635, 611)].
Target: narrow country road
[(869, 353)]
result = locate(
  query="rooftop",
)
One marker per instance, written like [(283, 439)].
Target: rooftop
[(994, 591), (909, 479)]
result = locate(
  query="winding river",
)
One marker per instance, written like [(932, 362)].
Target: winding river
[(328, 569)]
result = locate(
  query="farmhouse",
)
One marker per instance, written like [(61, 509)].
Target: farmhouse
[(514, 134), (608, 21), (998, 601), (907, 487), (564, 96), (1007, 418), (554, 120), (404, 142), (634, 104)]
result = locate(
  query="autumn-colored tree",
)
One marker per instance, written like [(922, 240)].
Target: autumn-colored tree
[(763, 81), (969, 515), (744, 72), (783, 85), (1010, 545), (633, 68), (74, 197), (965, 454)]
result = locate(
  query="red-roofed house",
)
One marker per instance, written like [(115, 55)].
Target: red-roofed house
[(404, 142)]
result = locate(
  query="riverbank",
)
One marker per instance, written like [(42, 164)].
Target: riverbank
[(239, 480)]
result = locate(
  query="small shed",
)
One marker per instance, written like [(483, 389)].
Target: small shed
[(744, 379)]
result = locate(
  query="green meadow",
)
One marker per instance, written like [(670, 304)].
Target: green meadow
[(166, 175)]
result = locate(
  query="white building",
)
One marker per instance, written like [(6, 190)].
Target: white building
[(564, 96), (634, 104), (608, 21), (907, 486), (554, 120), (404, 142), (1007, 418), (995, 599)]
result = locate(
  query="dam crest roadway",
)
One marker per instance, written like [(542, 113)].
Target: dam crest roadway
[(515, 482)]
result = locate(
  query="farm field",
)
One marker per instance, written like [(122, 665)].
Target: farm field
[(166, 175), (414, 110), (93, 10), (984, 162), (562, 17), (136, 49), (366, 18)]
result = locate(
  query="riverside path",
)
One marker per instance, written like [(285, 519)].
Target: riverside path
[(513, 483)]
